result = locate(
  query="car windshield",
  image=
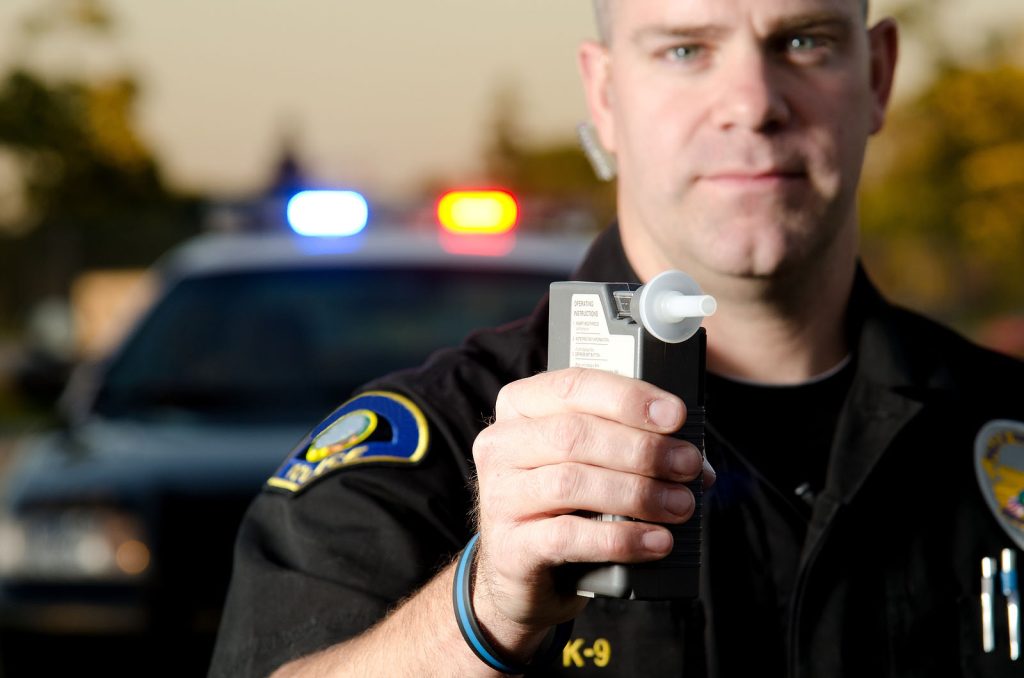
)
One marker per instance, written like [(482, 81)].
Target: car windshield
[(288, 346)]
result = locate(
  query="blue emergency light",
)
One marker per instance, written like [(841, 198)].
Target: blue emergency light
[(328, 213)]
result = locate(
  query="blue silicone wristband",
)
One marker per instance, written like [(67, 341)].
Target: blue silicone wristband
[(462, 599)]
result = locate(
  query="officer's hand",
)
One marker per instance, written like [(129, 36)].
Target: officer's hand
[(567, 441)]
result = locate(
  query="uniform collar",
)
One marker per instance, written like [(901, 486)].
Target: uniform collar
[(887, 356), (897, 374), (873, 325)]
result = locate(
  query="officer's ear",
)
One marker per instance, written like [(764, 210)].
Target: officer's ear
[(595, 70), (883, 39)]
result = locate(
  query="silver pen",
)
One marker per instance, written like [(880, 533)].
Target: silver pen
[(1012, 593), (989, 567)]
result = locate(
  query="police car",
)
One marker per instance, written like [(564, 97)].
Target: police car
[(116, 531)]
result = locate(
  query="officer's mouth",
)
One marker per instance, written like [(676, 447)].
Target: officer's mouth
[(771, 178)]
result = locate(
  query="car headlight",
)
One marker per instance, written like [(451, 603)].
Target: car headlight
[(73, 544)]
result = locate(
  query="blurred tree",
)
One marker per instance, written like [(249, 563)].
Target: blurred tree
[(554, 177), (91, 191), (943, 196)]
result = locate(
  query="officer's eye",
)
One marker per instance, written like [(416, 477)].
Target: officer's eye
[(684, 52), (808, 48), (804, 43)]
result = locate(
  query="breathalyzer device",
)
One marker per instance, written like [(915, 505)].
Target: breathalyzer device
[(651, 332)]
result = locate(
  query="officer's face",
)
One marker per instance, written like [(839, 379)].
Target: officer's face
[(739, 127)]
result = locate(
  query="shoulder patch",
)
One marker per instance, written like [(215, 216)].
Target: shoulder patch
[(999, 463), (376, 427)]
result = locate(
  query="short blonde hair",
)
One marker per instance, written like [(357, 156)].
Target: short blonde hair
[(603, 9)]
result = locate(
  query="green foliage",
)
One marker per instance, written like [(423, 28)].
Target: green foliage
[(943, 196), (92, 193)]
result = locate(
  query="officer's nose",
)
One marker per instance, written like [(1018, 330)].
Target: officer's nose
[(750, 95)]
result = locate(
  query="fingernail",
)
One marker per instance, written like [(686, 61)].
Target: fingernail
[(709, 473), (664, 413), (657, 541), (678, 501), (684, 460)]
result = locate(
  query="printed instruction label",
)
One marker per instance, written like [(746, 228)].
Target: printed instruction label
[(592, 345)]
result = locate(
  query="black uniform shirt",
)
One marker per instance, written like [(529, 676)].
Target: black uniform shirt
[(886, 581), (770, 445)]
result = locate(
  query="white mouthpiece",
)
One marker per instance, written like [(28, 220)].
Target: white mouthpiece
[(672, 305), (676, 306)]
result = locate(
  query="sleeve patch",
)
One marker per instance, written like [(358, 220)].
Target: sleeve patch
[(376, 427)]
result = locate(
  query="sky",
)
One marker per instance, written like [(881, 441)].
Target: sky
[(377, 94)]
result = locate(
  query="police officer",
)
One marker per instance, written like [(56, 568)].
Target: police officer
[(844, 533)]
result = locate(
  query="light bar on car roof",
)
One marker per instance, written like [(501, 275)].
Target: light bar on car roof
[(491, 212), (328, 213)]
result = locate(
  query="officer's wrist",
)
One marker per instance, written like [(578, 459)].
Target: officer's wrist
[(515, 640), (505, 640)]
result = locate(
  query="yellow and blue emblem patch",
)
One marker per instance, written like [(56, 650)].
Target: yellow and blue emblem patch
[(376, 427), (999, 464)]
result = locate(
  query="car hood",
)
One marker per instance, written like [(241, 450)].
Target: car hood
[(125, 461)]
